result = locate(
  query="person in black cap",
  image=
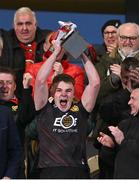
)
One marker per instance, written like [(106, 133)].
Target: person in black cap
[(105, 51), (109, 32), (109, 48)]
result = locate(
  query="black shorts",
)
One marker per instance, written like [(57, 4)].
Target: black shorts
[(65, 173)]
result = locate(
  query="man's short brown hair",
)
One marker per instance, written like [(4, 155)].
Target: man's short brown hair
[(57, 79), (8, 71)]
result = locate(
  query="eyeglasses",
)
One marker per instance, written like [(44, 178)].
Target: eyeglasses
[(130, 38), (106, 33)]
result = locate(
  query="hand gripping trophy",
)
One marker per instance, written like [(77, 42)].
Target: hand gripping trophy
[(70, 39), (66, 29)]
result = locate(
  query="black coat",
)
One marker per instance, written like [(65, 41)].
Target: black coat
[(13, 55), (10, 147), (127, 158), (23, 111)]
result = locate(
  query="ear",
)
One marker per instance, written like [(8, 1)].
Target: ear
[(15, 87), (44, 47)]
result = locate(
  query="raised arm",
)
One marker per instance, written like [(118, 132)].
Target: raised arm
[(41, 92), (91, 90)]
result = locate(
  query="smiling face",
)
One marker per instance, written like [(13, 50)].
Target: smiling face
[(7, 86), (128, 38), (134, 102), (110, 35), (64, 95)]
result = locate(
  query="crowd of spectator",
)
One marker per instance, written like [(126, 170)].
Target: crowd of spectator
[(49, 105)]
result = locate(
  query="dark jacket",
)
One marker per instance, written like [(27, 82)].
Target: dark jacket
[(114, 108), (103, 67), (13, 55), (10, 148), (126, 162), (23, 110)]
